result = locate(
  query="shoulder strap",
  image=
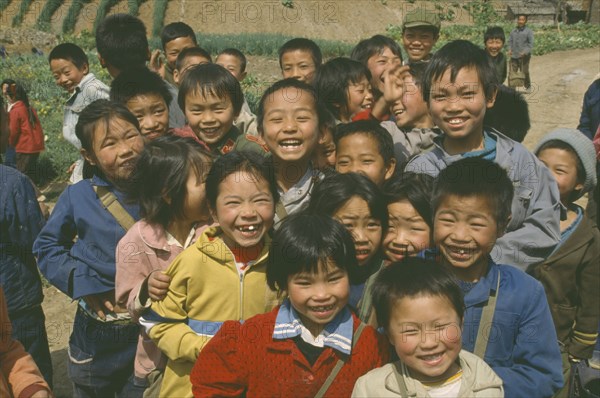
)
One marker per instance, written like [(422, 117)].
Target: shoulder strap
[(485, 324), (280, 210), (340, 363), (111, 203)]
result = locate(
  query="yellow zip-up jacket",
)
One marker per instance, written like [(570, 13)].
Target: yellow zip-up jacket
[(206, 289)]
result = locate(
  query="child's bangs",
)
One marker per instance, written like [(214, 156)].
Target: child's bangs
[(207, 89)]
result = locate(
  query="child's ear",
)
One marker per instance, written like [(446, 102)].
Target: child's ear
[(89, 157), (390, 170), (85, 69), (491, 99), (243, 76), (176, 76), (502, 228), (102, 61), (213, 213)]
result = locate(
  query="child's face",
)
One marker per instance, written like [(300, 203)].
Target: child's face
[(66, 74), (116, 148), (494, 46), (291, 125), (563, 165), (298, 64), (175, 46), (325, 154), (378, 64), (408, 233), (195, 206), (187, 63), (232, 64), (319, 297), (366, 230), (360, 98), (359, 153), (458, 108), (418, 43), (152, 113), (410, 109), (244, 209), (210, 117), (426, 334), (465, 231)]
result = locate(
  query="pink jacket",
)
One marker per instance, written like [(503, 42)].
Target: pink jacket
[(144, 249)]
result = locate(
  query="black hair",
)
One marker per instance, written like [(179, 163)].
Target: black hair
[(70, 52), (330, 194), (414, 277), (510, 114), (456, 55), (16, 92), (559, 144), (292, 87), (234, 52), (243, 161), (416, 188), (494, 32), (121, 41), (375, 45), (523, 15), (417, 71), (191, 52), (333, 79), (305, 243), (162, 171), (211, 79), (373, 129), (479, 177), (138, 81), (176, 30), (302, 44)]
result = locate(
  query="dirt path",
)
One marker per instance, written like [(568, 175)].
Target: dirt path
[(559, 80)]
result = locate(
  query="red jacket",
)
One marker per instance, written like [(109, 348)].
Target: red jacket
[(244, 360), (23, 136)]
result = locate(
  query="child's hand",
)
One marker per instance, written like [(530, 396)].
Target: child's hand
[(156, 63), (71, 168), (101, 303), (158, 285), (393, 81)]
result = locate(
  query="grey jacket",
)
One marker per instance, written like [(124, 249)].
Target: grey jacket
[(520, 42)]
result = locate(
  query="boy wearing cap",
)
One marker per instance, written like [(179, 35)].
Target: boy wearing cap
[(420, 32), (571, 274)]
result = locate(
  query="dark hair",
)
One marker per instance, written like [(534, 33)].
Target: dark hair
[(17, 92), (523, 15), (211, 79), (176, 30), (494, 32), (417, 71), (304, 243), (70, 52), (234, 52), (302, 44), (293, 86), (510, 114), (479, 177), (249, 162), (372, 129), (191, 52), (138, 81), (121, 41), (375, 45), (416, 188), (456, 55), (332, 81), (413, 277), (162, 171), (559, 144)]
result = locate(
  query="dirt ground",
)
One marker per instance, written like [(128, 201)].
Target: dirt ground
[(559, 81)]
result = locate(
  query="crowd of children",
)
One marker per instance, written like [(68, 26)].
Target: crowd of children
[(375, 230)]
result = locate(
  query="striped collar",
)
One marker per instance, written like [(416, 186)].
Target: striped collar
[(337, 334)]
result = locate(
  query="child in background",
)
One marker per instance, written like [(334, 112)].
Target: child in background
[(102, 343), (494, 39), (324, 157), (292, 350), (222, 276), (421, 309), (300, 59), (186, 59), (357, 203), (420, 32), (571, 275), (175, 37), (343, 85), (291, 131), (169, 184), (507, 319), (458, 107), (365, 147), (410, 230), (71, 71), (146, 96)]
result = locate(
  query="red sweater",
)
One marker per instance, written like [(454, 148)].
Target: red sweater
[(23, 136), (245, 360)]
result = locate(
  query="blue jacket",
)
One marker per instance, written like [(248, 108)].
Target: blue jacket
[(534, 229), (20, 222), (87, 265), (590, 111)]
